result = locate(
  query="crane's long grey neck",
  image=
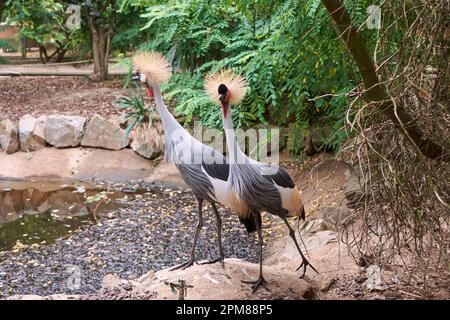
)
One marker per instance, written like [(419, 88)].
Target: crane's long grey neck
[(235, 153), (170, 124)]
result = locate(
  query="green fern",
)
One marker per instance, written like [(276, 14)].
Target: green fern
[(287, 52), (133, 110)]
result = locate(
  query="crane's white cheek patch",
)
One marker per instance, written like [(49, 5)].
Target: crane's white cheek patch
[(290, 200)]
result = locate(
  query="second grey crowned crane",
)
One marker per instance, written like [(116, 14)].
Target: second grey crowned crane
[(203, 169), (255, 185)]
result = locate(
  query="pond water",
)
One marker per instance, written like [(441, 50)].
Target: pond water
[(40, 211)]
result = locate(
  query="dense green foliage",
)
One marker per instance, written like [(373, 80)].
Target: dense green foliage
[(44, 22), (296, 69)]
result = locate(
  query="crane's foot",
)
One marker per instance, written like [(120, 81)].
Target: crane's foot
[(183, 265), (221, 260), (256, 283), (305, 263)]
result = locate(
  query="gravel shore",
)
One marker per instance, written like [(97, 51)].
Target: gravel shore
[(153, 231)]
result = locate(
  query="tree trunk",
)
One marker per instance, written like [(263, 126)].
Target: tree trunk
[(101, 46), (375, 91), (42, 54), (23, 47), (61, 49), (441, 90), (2, 6), (61, 54)]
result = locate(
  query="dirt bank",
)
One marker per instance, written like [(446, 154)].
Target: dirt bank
[(46, 95)]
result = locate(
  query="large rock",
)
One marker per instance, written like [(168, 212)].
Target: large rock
[(105, 134), (283, 251), (82, 163), (28, 140), (64, 131), (9, 136), (353, 192), (10, 206), (335, 218), (39, 127), (202, 282), (148, 141)]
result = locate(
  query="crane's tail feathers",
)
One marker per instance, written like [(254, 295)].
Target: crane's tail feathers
[(303, 213), (235, 83), (250, 223), (154, 65)]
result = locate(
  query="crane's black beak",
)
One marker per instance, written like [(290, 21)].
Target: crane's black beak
[(222, 97), (136, 76)]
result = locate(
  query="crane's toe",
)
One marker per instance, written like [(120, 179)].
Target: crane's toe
[(256, 283), (221, 260), (305, 263), (183, 265)]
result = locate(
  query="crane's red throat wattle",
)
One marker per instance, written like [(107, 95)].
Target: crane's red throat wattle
[(224, 110), (150, 92)]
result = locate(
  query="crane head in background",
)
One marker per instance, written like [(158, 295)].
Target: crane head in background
[(140, 77), (230, 87), (151, 68)]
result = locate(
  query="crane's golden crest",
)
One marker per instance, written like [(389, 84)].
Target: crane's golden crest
[(153, 65), (235, 83)]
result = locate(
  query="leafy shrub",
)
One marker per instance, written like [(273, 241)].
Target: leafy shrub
[(286, 51), (133, 109), (6, 45)]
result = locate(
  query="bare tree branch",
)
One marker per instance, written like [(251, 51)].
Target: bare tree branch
[(375, 91)]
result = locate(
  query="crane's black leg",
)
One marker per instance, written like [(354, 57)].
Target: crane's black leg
[(219, 236), (260, 281), (190, 262), (305, 262)]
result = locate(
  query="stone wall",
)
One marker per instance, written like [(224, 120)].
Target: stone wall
[(63, 131)]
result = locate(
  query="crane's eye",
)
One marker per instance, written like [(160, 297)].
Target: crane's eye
[(136, 76)]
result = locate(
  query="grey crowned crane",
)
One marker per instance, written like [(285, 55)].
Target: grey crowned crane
[(203, 169), (253, 187)]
